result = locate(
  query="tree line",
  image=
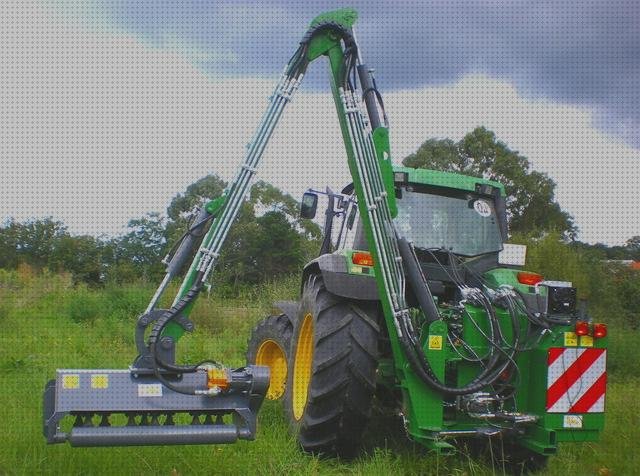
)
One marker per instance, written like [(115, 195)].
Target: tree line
[(269, 238)]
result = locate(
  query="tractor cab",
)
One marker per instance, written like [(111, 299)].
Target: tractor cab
[(457, 225)]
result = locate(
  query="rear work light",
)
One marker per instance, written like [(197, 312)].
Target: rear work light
[(530, 279), (582, 328), (599, 331), (362, 258)]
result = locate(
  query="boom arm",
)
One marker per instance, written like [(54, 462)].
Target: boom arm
[(367, 150), (367, 147)]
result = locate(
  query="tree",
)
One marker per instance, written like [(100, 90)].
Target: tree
[(271, 198), (79, 255), (9, 245), (632, 247), (34, 241), (46, 243), (196, 195), (267, 239), (531, 205), (278, 248), (142, 246)]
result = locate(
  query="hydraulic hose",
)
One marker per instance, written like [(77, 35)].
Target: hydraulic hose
[(417, 281), (156, 332), (161, 323), (412, 347), (423, 370), (187, 242)]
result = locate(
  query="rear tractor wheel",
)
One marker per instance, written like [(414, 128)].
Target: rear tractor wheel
[(269, 346), (332, 371)]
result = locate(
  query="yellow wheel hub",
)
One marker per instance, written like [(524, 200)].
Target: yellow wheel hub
[(302, 366), (271, 355)]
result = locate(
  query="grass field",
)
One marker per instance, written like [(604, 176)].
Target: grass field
[(48, 324)]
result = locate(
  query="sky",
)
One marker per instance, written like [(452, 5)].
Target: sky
[(108, 109)]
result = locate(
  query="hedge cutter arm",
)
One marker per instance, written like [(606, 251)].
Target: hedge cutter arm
[(157, 401)]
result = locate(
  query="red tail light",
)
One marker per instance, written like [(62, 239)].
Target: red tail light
[(530, 279), (362, 258), (582, 328), (599, 331)]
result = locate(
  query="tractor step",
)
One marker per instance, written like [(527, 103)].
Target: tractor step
[(126, 408)]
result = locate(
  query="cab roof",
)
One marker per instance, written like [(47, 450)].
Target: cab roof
[(447, 179)]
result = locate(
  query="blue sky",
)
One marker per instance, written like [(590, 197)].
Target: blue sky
[(109, 109), (584, 53)]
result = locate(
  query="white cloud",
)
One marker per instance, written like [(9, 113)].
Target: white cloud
[(97, 128), (597, 175)]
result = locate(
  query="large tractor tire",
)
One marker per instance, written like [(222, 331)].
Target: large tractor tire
[(332, 371), (269, 345)]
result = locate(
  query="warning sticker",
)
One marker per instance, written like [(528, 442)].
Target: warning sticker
[(99, 381), (482, 207), (71, 381), (572, 421), (586, 341), (435, 342), (570, 339), (576, 382), (149, 390)]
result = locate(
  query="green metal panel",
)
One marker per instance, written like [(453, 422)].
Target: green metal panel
[(345, 17), (381, 142), (447, 179), (321, 44), (509, 276), (532, 396)]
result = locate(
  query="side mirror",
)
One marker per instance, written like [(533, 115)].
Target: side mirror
[(352, 216), (309, 205), (501, 211)]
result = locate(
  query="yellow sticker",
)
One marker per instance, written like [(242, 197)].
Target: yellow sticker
[(435, 342), (572, 421), (570, 339), (99, 381), (586, 341), (71, 381)]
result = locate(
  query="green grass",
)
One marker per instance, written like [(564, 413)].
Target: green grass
[(48, 324)]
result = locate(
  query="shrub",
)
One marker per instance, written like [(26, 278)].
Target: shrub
[(612, 291), (85, 305)]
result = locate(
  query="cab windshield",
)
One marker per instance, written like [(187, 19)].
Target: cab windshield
[(464, 223)]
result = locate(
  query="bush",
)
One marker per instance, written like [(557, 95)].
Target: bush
[(625, 282), (555, 260), (9, 279), (612, 291), (127, 301), (85, 305)]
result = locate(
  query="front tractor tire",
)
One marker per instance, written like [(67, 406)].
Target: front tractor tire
[(269, 346), (332, 371)]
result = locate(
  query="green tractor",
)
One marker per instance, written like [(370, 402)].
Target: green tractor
[(483, 322), (415, 300)]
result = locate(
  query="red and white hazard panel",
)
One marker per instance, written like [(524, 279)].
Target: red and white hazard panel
[(576, 380)]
